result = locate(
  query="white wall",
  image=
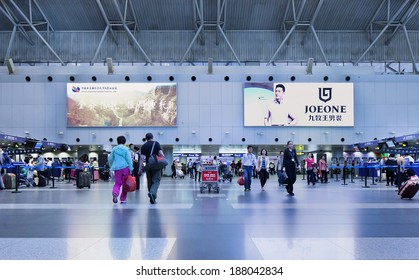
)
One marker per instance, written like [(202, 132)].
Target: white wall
[(210, 106)]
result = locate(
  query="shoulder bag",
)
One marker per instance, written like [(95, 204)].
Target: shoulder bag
[(156, 162)]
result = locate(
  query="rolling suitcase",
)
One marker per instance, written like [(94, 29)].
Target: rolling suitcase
[(83, 180), (95, 175), (42, 181), (9, 180), (409, 190), (105, 175), (72, 174)]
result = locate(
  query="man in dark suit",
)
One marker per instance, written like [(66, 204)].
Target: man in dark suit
[(290, 164)]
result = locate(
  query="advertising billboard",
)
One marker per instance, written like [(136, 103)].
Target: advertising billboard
[(121, 104), (298, 104)]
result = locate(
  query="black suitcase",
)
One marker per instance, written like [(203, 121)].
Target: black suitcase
[(105, 175), (83, 180), (408, 190), (42, 181)]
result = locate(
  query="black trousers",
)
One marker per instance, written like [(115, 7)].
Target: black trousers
[(390, 177), (291, 171), (198, 176), (136, 168), (323, 179), (263, 177)]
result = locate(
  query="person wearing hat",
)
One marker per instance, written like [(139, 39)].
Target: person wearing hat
[(153, 176)]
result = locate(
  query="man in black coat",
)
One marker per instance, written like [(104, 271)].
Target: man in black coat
[(290, 164)]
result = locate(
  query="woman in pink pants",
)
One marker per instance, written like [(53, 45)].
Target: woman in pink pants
[(121, 163)]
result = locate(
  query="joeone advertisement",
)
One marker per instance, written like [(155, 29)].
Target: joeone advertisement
[(298, 104)]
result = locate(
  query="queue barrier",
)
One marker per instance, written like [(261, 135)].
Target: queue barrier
[(365, 171), (15, 168)]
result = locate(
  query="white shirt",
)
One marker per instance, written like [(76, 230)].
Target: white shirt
[(279, 113), (249, 159)]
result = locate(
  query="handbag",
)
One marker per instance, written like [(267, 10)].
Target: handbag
[(282, 177), (156, 162), (130, 183), (240, 181)]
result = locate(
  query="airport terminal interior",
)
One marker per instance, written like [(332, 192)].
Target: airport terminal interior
[(208, 78), (330, 221)]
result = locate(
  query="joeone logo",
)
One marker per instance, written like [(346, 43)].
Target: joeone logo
[(325, 94)]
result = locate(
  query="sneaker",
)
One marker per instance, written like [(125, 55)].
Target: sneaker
[(123, 202), (114, 198), (263, 189), (152, 198)]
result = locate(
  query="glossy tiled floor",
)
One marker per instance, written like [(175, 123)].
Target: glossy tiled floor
[(328, 221)]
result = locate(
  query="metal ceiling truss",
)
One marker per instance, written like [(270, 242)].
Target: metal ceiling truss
[(23, 20), (28, 22), (5, 9), (201, 23), (294, 26), (411, 11), (121, 22), (297, 22)]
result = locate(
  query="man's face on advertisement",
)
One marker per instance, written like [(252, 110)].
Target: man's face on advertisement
[(279, 93)]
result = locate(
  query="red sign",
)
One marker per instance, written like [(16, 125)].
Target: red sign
[(209, 176)]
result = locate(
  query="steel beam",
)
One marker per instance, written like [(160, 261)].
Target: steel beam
[(283, 25), (229, 45), (203, 24), (405, 19), (382, 31), (191, 44), (415, 70), (289, 33), (137, 25), (37, 32), (128, 31), (105, 17), (313, 19), (320, 45), (6, 11), (9, 47), (100, 45), (375, 15)]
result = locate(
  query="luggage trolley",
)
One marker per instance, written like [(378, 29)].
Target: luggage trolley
[(209, 179)]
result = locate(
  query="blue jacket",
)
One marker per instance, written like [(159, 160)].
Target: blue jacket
[(120, 158)]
